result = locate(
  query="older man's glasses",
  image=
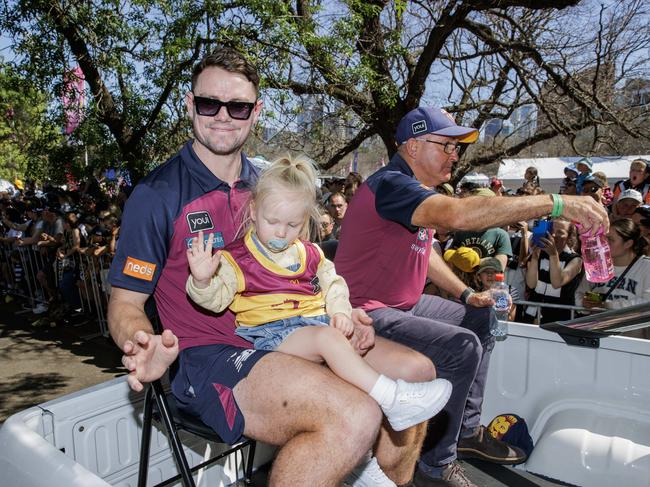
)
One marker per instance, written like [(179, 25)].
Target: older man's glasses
[(448, 147), (209, 107)]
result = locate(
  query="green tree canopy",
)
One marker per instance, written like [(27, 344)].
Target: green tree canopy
[(354, 66), (27, 136)]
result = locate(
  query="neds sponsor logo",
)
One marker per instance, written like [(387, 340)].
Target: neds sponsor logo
[(139, 269)]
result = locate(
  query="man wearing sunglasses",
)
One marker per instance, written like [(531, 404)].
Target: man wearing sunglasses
[(385, 257), (321, 421)]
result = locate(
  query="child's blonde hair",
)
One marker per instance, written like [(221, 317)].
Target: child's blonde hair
[(289, 174)]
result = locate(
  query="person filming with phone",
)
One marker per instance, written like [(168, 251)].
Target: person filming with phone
[(554, 269)]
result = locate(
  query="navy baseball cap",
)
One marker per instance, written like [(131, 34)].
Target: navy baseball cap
[(432, 120)]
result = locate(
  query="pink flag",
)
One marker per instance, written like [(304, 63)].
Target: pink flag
[(73, 99)]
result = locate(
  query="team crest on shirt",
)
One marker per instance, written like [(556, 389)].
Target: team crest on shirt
[(315, 283), (199, 220), (423, 235)]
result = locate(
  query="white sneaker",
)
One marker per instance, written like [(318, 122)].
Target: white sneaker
[(39, 309), (416, 402), (368, 474)]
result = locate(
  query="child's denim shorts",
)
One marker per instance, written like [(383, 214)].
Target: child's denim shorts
[(270, 335)]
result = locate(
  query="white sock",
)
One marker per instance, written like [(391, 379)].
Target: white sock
[(384, 391)]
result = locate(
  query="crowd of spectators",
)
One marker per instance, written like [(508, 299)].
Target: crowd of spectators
[(59, 226), (46, 237), (45, 233), (551, 270)]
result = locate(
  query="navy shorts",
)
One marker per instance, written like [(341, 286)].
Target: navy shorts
[(203, 385)]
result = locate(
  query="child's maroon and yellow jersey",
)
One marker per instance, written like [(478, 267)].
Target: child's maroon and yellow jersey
[(268, 292)]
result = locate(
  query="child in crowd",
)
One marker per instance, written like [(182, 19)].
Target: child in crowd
[(568, 184), (531, 176), (486, 277), (463, 261), (285, 294)]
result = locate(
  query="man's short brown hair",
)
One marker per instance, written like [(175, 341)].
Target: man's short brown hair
[(232, 61)]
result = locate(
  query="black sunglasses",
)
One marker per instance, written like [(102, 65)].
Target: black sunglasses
[(592, 190), (209, 107)]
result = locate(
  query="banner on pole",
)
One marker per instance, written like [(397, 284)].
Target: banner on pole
[(73, 99)]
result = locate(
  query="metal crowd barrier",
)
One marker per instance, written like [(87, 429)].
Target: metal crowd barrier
[(573, 309), (90, 280), (30, 261), (93, 273)]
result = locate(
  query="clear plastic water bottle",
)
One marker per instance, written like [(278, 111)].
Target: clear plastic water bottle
[(596, 256), (501, 295)]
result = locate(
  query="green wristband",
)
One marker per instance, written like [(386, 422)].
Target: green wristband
[(558, 206)]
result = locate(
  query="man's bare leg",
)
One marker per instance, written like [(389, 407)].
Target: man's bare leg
[(397, 452), (323, 424)]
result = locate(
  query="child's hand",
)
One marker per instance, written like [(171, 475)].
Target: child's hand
[(203, 264), (343, 324)]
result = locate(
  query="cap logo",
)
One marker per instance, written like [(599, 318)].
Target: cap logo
[(419, 127)]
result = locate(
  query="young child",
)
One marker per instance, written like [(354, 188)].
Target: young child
[(287, 297)]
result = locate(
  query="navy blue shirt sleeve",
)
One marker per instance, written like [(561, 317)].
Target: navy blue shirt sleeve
[(397, 195), (143, 245)]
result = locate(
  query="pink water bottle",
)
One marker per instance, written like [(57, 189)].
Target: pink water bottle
[(596, 256)]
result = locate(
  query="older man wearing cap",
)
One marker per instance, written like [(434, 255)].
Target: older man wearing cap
[(385, 257)]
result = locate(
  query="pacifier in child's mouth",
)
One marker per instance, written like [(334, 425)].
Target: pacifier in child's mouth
[(278, 244)]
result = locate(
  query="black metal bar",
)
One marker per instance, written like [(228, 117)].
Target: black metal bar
[(172, 434), (146, 438)]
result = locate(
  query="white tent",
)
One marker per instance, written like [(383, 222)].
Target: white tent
[(6, 187), (551, 169)]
